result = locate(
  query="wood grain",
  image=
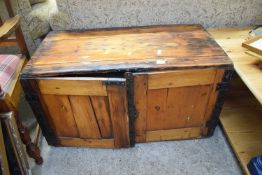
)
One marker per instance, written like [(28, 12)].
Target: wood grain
[(72, 86), (61, 115), (140, 98), (241, 121), (101, 109), (173, 134), (9, 27), (247, 66), (85, 117), (177, 107), (170, 79), (186, 107), (148, 48), (95, 143), (118, 112), (156, 108)]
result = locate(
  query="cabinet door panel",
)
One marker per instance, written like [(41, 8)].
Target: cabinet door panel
[(172, 100), (82, 117)]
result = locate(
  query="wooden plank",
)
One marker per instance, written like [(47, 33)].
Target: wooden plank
[(177, 107), (140, 99), (241, 121), (92, 143), (170, 79), (101, 109), (85, 117), (230, 39), (9, 27), (72, 86), (118, 112), (61, 115), (173, 134), (156, 109), (186, 106)]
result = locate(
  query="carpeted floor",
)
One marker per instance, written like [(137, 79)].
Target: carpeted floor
[(210, 156)]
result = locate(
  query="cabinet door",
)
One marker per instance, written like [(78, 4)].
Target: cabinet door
[(88, 112), (174, 104)]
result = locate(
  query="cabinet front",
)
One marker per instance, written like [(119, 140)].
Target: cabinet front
[(89, 112), (174, 104)]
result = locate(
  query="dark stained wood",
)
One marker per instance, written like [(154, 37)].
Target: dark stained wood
[(140, 97), (213, 97), (147, 48), (119, 116)]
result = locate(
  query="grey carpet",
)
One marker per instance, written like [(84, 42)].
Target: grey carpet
[(211, 156)]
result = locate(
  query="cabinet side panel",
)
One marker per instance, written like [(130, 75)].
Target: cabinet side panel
[(214, 93), (118, 113), (34, 98)]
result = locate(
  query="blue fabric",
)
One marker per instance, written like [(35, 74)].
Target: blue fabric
[(255, 166)]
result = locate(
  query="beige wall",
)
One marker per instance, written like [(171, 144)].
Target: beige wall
[(118, 13)]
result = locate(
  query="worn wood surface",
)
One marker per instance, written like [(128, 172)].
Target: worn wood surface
[(246, 65), (241, 121), (157, 80), (118, 110), (72, 86), (84, 117), (173, 134), (140, 98), (101, 109), (95, 143), (212, 98), (147, 48), (182, 99)]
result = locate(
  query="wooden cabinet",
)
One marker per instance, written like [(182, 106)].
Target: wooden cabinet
[(112, 88)]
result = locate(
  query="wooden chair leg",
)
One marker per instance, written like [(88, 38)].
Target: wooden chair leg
[(31, 148)]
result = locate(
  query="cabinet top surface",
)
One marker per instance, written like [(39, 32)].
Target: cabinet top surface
[(125, 49)]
